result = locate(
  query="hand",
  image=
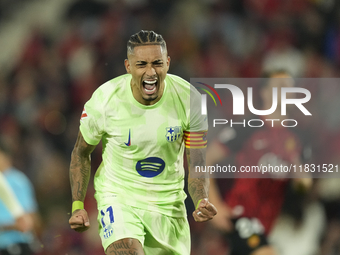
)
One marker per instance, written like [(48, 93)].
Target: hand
[(23, 223), (205, 211), (79, 220), (222, 221)]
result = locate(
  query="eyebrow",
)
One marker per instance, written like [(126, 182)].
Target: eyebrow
[(141, 62)]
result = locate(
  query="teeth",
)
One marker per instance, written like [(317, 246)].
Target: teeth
[(150, 82), (151, 90)]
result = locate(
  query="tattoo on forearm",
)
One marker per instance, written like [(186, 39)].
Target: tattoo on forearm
[(79, 193), (80, 168), (198, 187)]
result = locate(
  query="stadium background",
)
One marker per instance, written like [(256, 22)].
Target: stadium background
[(54, 54)]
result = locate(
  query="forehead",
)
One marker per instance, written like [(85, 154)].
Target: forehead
[(147, 53)]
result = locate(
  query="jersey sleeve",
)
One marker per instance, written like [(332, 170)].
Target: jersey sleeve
[(92, 121), (195, 136)]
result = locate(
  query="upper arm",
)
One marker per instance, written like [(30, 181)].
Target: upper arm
[(196, 156), (196, 146), (195, 134), (93, 121), (81, 147)]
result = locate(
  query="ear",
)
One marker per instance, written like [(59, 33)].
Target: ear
[(168, 62), (127, 65)]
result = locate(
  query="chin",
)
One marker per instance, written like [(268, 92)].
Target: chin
[(150, 98)]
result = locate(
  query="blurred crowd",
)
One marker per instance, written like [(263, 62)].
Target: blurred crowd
[(42, 97)]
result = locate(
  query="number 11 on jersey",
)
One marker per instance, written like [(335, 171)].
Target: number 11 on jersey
[(109, 210)]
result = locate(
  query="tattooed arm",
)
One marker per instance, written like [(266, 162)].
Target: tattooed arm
[(80, 170), (198, 185)]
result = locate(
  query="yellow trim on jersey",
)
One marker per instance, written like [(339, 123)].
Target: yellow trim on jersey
[(195, 140)]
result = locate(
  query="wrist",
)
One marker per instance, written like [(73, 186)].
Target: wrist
[(77, 205), (199, 201)]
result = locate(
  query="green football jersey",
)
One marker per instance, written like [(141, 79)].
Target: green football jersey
[(143, 145)]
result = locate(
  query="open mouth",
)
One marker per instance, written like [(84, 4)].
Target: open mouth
[(150, 86)]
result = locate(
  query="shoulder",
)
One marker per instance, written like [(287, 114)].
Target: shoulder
[(113, 85), (181, 86), (110, 89), (177, 79)]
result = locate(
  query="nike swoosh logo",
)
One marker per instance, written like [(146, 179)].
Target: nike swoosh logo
[(129, 142)]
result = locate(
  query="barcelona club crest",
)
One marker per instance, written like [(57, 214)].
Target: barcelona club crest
[(173, 133)]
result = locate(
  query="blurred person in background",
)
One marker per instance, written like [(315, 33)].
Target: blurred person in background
[(250, 207), (144, 123), (22, 222), (16, 230)]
